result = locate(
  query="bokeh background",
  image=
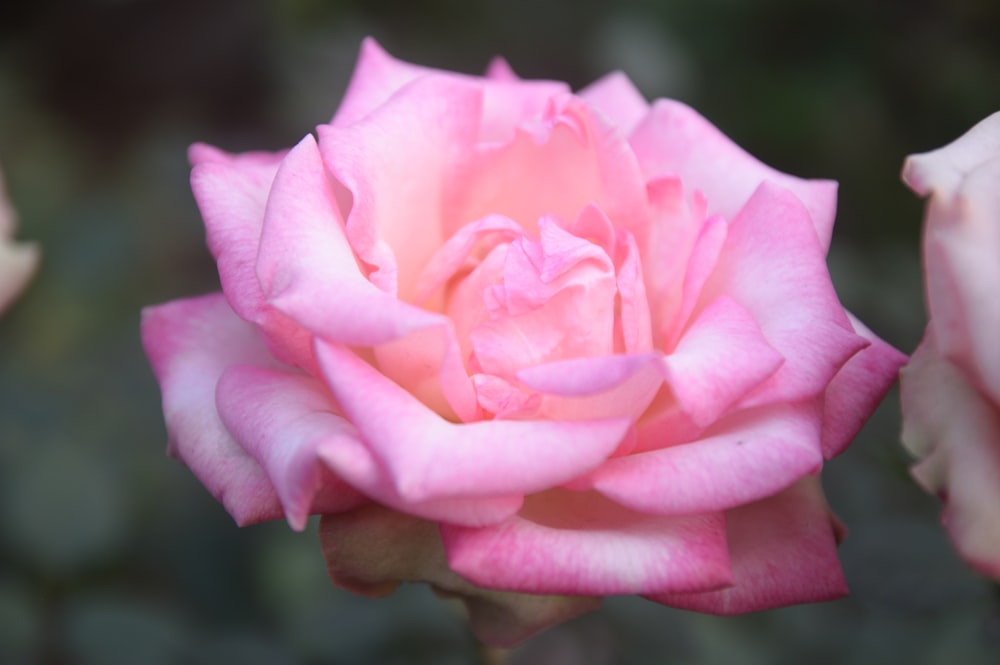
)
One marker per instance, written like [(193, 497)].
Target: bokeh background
[(111, 553)]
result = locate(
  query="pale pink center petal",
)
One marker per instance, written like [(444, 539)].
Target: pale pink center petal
[(567, 160)]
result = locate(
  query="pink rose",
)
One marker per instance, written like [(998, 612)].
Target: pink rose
[(17, 260), (532, 347), (951, 388)]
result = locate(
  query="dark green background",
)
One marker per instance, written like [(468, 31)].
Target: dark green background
[(111, 553)]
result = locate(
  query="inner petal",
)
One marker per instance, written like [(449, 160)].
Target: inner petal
[(556, 300)]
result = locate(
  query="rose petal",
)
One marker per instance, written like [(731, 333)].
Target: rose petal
[(618, 386), (675, 140), (581, 543), (274, 416), (508, 100), (500, 70), (511, 101), (857, 390), (941, 172), (507, 344), (783, 551), (948, 423), (377, 76), (8, 218), (18, 261), (283, 419), (371, 550), (743, 458), (308, 271), (961, 246), (680, 254), (396, 163), (358, 466), (568, 160), (635, 320), (556, 301), (505, 399), (535, 270), (428, 457), (583, 377), (617, 98), (471, 299), (190, 343), (721, 357), (232, 191), (772, 265), (456, 251)]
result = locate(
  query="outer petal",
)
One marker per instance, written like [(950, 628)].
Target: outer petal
[(232, 191), (377, 76), (941, 172), (784, 551), (371, 550), (430, 458), (773, 266), (500, 70), (190, 343), (357, 465), (290, 425), (956, 430), (616, 97), (283, 419), (8, 218), (18, 262), (721, 357), (508, 99), (744, 458), (581, 543), (961, 250), (674, 140), (857, 390)]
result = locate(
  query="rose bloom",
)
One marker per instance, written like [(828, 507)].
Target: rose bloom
[(951, 388), (532, 347), (17, 260)]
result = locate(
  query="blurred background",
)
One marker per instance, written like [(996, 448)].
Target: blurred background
[(111, 553)]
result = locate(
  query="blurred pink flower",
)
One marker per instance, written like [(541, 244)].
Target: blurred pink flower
[(532, 347), (951, 387), (17, 260)]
